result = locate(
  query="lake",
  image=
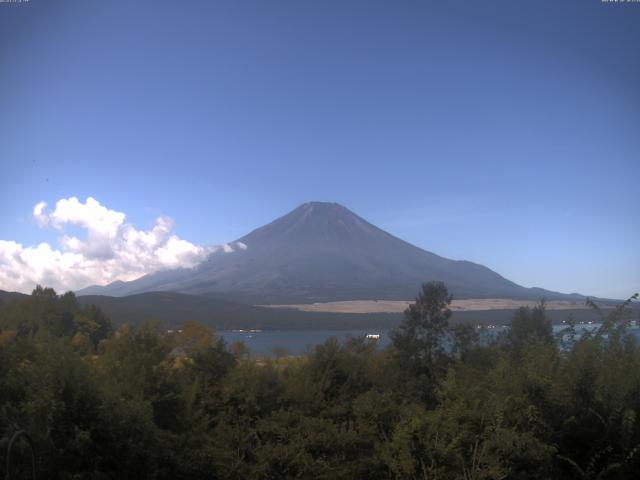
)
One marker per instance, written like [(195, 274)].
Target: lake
[(297, 342)]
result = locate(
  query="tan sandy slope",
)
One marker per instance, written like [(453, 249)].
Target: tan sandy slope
[(393, 306)]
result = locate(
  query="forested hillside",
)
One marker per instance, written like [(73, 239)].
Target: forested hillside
[(147, 402)]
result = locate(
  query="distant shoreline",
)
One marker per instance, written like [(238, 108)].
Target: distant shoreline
[(399, 306)]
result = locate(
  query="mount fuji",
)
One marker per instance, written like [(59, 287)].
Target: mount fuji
[(322, 252)]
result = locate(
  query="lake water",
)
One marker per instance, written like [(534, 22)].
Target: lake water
[(297, 342)]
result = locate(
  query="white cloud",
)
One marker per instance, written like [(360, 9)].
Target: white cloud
[(38, 214), (112, 250)]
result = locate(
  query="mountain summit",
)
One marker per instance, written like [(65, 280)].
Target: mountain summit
[(324, 252), (316, 227)]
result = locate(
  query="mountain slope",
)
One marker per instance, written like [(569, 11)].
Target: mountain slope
[(172, 309), (324, 252), (6, 297)]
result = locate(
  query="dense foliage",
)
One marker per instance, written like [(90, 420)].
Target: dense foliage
[(148, 402)]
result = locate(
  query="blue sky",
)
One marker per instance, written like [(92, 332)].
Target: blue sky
[(501, 132)]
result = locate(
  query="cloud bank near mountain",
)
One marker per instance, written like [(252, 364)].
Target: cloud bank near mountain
[(112, 250)]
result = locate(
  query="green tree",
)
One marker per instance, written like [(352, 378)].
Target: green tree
[(420, 340), (92, 324), (530, 325)]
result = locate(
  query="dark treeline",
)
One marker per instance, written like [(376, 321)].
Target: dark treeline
[(145, 402)]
